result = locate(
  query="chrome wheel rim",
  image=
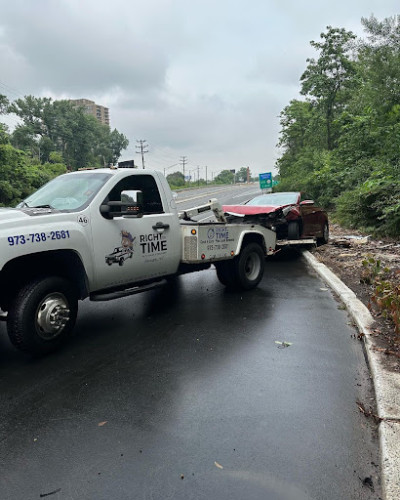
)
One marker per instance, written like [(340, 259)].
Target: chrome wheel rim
[(252, 266), (52, 315)]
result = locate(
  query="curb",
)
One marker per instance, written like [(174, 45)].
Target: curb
[(386, 383)]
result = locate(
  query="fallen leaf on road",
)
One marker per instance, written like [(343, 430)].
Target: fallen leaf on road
[(100, 424), (282, 345), (218, 465)]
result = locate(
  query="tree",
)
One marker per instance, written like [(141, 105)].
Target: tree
[(224, 177), (4, 103), (328, 80), (176, 179), (4, 135), (241, 175), (60, 126), (118, 142), (342, 145), (20, 176)]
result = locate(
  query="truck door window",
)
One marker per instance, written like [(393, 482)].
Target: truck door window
[(151, 199)]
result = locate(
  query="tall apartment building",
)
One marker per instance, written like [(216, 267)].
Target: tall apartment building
[(91, 108)]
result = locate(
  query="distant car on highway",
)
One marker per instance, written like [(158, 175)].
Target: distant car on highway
[(293, 215)]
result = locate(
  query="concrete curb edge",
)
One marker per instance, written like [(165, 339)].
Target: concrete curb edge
[(386, 384)]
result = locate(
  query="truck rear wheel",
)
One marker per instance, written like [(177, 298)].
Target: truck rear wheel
[(226, 273), (250, 266), (245, 271), (42, 315)]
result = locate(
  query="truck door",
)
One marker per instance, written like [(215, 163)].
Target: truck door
[(135, 249)]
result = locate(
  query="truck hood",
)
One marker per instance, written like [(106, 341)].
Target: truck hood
[(9, 216), (13, 217)]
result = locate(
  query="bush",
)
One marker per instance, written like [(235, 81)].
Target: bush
[(373, 206)]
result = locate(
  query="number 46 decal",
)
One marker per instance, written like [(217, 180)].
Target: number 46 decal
[(83, 219)]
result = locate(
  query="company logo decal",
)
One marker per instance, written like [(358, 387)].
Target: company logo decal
[(123, 252)]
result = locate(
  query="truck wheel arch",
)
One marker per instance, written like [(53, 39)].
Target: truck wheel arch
[(63, 263)]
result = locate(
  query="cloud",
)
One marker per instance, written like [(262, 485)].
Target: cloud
[(81, 47), (202, 78)]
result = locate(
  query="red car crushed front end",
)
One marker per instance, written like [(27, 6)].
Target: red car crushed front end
[(286, 213)]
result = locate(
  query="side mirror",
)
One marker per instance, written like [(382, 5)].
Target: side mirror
[(307, 203), (130, 205)]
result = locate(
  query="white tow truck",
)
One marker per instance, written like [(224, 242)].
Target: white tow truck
[(108, 233)]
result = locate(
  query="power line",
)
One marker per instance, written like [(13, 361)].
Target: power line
[(11, 90), (141, 149)]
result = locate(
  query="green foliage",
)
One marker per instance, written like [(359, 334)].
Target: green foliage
[(4, 103), (176, 180), (386, 286), (342, 145), (19, 176), (241, 175), (224, 177), (387, 298), (328, 80), (59, 126), (4, 135), (374, 206)]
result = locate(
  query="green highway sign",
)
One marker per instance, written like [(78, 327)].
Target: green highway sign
[(265, 180)]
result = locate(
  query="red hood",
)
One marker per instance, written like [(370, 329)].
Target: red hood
[(250, 209)]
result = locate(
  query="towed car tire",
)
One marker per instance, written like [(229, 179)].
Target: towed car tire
[(293, 231), (325, 235)]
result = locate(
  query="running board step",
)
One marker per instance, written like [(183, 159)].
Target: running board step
[(99, 297)]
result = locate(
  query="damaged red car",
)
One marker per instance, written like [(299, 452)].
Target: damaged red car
[(293, 215)]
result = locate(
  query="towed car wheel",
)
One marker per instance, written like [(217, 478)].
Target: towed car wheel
[(293, 231), (325, 235)]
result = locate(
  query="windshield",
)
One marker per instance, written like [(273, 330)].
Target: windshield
[(67, 192), (274, 200)]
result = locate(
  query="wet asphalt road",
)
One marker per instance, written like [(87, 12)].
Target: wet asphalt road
[(182, 393)]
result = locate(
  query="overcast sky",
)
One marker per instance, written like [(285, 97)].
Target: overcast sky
[(202, 79)]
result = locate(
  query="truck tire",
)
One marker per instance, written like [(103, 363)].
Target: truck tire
[(293, 231), (42, 315), (226, 273), (249, 268)]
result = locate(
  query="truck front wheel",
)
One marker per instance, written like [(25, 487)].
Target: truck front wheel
[(42, 315)]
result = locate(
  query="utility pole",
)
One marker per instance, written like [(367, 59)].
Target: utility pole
[(183, 162), (198, 176), (142, 149), (206, 175), (166, 168)]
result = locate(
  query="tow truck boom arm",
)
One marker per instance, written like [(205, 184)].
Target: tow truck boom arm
[(213, 205)]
